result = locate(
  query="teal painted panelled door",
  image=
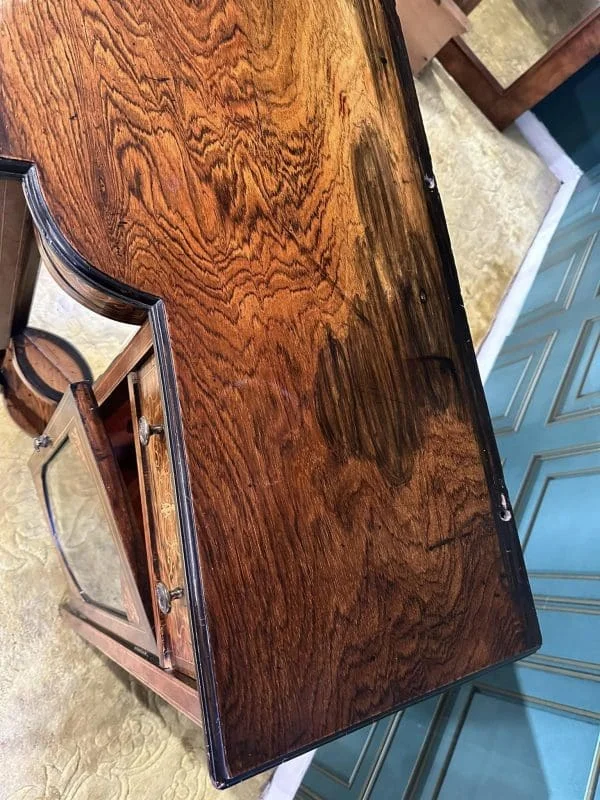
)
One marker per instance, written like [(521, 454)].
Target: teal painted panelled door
[(530, 731)]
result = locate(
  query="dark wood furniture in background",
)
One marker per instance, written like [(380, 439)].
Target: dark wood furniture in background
[(36, 366), (466, 6), (289, 473), (37, 369), (502, 105)]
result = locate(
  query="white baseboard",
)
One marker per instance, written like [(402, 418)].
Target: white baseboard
[(287, 778), (539, 138), (568, 172)]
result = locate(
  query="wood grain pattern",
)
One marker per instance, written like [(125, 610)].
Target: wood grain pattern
[(261, 169), (16, 242), (88, 295), (37, 370)]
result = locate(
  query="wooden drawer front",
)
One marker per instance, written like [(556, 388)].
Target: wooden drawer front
[(173, 629)]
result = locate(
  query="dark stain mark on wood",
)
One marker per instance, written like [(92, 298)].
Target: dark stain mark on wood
[(376, 385)]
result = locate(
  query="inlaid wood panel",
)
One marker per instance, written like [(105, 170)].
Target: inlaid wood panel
[(160, 518), (256, 177)]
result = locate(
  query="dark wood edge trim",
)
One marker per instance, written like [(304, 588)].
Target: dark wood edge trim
[(85, 292), (155, 678), (376, 718), (502, 105), (14, 168), (189, 544), (31, 377), (54, 239), (506, 530), (172, 689)]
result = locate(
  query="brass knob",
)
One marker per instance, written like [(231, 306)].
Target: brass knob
[(41, 441), (145, 430), (166, 596)]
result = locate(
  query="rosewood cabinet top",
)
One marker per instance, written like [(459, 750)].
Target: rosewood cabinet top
[(254, 176)]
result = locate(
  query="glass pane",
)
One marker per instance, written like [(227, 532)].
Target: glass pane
[(81, 527), (98, 339), (509, 36)]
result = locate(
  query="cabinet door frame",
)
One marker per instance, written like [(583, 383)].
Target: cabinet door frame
[(502, 105), (77, 419)]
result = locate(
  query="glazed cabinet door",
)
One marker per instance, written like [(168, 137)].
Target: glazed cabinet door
[(90, 515)]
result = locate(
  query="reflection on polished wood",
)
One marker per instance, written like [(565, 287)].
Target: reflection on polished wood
[(263, 171), (37, 369)]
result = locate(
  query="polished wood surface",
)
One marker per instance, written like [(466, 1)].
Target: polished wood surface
[(17, 273), (88, 295), (502, 105), (36, 372), (262, 170)]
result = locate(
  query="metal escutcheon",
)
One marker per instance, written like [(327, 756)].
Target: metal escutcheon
[(166, 596), (146, 430)]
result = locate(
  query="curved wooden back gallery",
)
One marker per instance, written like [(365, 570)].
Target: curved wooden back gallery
[(254, 179)]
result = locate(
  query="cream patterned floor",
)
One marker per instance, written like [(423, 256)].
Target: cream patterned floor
[(74, 727), (509, 36)]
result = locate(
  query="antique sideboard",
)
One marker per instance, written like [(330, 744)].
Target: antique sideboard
[(295, 514)]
